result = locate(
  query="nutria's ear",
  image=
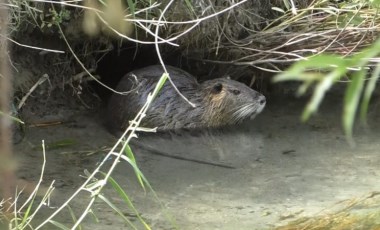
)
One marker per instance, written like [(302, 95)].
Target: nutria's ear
[(217, 88)]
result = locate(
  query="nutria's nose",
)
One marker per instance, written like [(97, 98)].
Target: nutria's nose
[(262, 100)]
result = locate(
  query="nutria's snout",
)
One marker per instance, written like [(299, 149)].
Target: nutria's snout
[(260, 104), (262, 100)]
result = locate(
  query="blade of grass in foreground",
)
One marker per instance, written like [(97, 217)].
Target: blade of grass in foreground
[(27, 212), (59, 225), (370, 87), (12, 117), (160, 83), (131, 156), (132, 7), (116, 209), (320, 90), (144, 180), (58, 144), (190, 6), (299, 71), (351, 101), (334, 66), (168, 216), (126, 199), (72, 214)]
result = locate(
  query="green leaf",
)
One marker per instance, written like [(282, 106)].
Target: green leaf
[(126, 199), (286, 4), (116, 209), (11, 117), (27, 212), (299, 76), (303, 88), (362, 58), (320, 91), (298, 71), (160, 84), (351, 101), (58, 144), (278, 9), (375, 3), (72, 214), (190, 6), (168, 216), (349, 18), (130, 155), (59, 225), (357, 20), (132, 7), (370, 87)]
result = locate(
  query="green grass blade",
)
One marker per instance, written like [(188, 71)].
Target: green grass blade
[(298, 71), (58, 225), (94, 216), (58, 144), (168, 216), (362, 58), (132, 7), (137, 170), (117, 210), (160, 83), (320, 91), (128, 152), (370, 87), (375, 3), (302, 89), (351, 101), (299, 75), (12, 117), (126, 199), (27, 212), (72, 214), (190, 6)]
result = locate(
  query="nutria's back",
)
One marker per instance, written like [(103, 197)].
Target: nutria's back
[(218, 102)]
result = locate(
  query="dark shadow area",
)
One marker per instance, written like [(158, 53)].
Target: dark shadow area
[(115, 64), (118, 62)]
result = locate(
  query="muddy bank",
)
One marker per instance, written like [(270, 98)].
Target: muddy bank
[(284, 170)]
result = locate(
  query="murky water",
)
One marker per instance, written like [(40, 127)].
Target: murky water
[(278, 169)]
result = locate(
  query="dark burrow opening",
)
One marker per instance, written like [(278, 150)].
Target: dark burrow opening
[(115, 64), (120, 61)]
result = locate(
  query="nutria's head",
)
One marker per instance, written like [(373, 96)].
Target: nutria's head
[(229, 102)]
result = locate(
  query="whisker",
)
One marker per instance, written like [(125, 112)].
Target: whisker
[(243, 112)]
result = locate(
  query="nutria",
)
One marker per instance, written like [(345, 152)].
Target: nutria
[(218, 102)]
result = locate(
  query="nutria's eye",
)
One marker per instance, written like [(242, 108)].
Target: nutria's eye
[(217, 88), (236, 92)]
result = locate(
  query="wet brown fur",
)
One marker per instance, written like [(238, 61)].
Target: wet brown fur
[(218, 102)]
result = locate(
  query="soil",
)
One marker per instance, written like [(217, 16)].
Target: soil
[(282, 169)]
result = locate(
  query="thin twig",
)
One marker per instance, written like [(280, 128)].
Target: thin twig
[(32, 47), (31, 90)]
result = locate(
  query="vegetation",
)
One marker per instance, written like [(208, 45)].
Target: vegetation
[(328, 41), (327, 74), (325, 69), (356, 213)]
